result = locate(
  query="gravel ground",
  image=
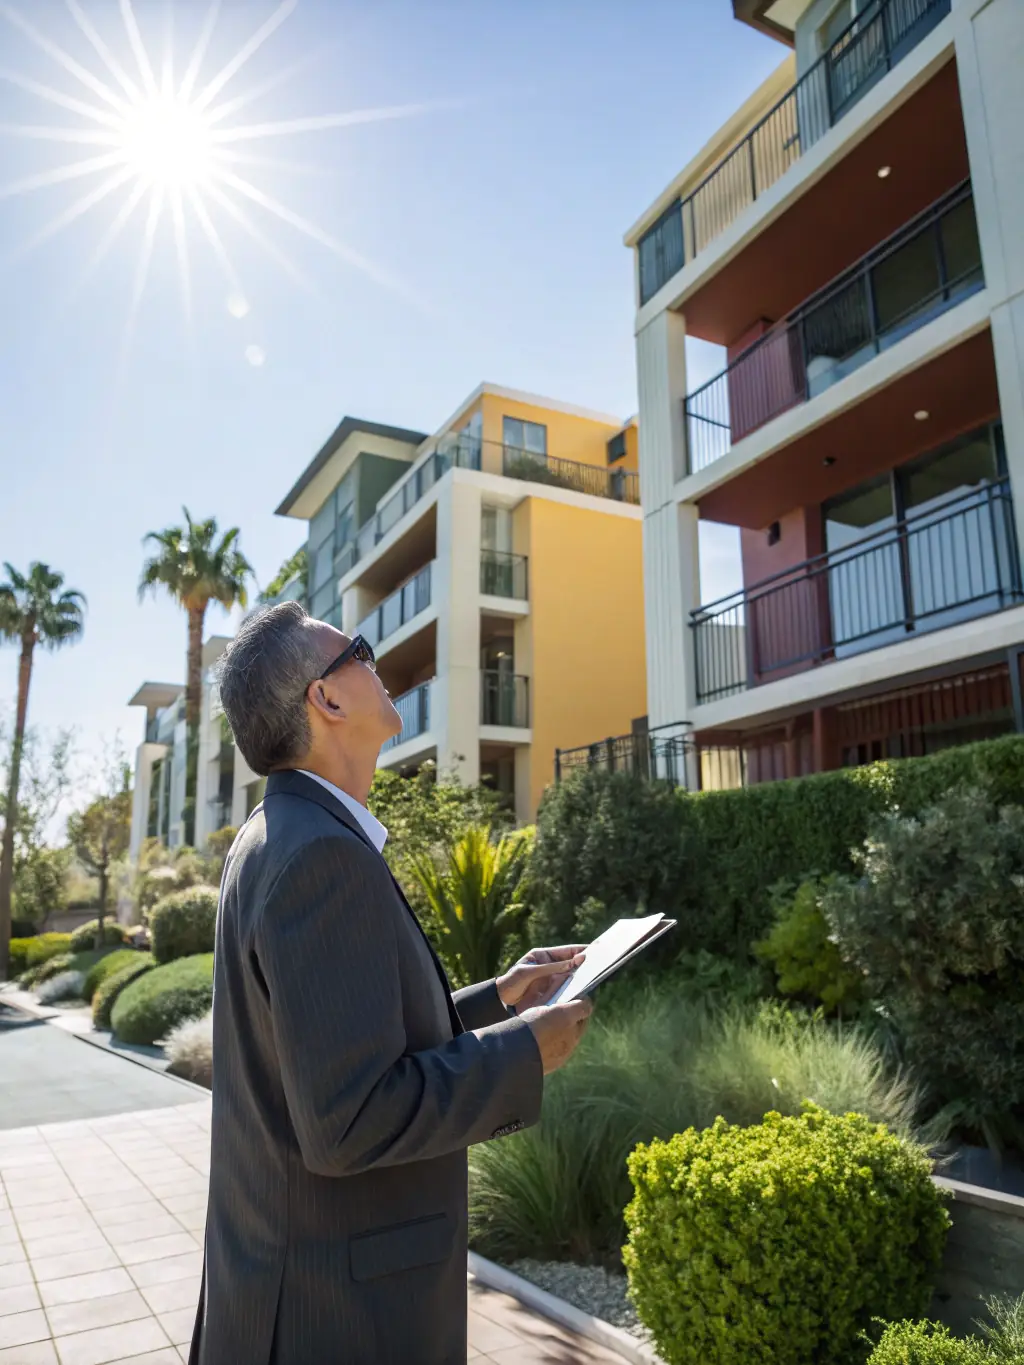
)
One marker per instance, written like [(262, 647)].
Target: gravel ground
[(590, 1288)]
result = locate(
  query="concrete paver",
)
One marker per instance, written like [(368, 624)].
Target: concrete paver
[(102, 1215)]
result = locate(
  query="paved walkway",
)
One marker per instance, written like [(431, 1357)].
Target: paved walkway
[(101, 1218)]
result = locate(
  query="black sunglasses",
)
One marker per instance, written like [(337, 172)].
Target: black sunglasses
[(357, 648)]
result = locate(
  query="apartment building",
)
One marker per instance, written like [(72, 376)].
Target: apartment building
[(851, 239), (226, 788), (496, 567)]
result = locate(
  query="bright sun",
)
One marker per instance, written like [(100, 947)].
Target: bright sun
[(167, 142)]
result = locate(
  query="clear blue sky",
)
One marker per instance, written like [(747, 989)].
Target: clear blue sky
[(499, 214)]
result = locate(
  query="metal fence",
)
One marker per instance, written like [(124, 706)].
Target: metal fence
[(668, 753), (932, 263), (933, 569), (622, 485), (881, 36)]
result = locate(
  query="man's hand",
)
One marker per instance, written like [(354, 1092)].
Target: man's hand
[(534, 979), (558, 1030)]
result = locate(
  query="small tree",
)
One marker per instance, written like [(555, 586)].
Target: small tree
[(99, 834)]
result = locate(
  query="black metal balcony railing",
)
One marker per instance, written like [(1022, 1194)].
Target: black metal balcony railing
[(936, 568), (414, 708), (623, 485), (930, 265), (881, 36), (398, 609), (658, 754), (503, 575), (504, 699)]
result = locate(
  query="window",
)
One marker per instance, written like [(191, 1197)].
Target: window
[(661, 251), (837, 22), (531, 437), (617, 447)]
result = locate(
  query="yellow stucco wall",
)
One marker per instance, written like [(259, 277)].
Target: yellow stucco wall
[(570, 437), (582, 644)]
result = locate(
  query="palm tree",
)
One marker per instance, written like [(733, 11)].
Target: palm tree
[(35, 609), (196, 569)]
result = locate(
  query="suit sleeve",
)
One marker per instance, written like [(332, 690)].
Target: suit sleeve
[(327, 946), (480, 1005)]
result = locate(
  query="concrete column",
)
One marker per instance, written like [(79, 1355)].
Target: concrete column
[(671, 573), (989, 41), (145, 756), (455, 588), (356, 604)]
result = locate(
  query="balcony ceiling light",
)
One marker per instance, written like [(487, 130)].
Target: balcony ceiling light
[(829, 461), (884, 172), (921, 415)]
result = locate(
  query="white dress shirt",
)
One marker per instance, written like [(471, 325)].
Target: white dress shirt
[(369, 824)]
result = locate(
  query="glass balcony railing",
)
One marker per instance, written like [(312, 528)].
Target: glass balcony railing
[(397, 610), (954, 562), (882, 34), (923, 270), (503, 575), (414, 709), (504, 699)]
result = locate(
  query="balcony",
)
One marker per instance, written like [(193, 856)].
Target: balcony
[(504, 699), (925, 269), (877, 40), (597, 481), (397, 610), (944, 565), (503, 575), (414, 709), (459, 452)]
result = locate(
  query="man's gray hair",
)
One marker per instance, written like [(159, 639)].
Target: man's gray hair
[(263, 677)]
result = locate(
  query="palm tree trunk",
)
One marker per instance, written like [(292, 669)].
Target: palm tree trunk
[(193, 705), (28, 643)]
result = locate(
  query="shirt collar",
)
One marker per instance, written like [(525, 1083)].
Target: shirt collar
[(369, 824)]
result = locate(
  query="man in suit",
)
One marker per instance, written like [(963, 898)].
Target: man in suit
[(349, 1080)]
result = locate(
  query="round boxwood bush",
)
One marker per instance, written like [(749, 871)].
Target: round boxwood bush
[(111, 987), (184, 923), (927, 1343), (84, 939), (782, 1242), (149, 1008), (108, 965)]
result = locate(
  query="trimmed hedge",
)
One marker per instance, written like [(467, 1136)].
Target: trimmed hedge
[(108, 965), (26, 953), (184, 923), (782, 1242), (109, 989), (148, 1009), (84, 939), (710, 858)]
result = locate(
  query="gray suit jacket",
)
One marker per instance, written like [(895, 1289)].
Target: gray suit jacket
[(349, 1082)]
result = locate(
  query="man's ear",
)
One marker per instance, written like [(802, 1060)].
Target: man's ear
[(319, 697)]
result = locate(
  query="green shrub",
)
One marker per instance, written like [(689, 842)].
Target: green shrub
[(710, 858), (650, 1067), (936, 924), (26, 953), (111, 987), (150, 1007), (805, 956), (1004, 1333), (473, 901), (781, 1242), (184, 923), (35, 976), (84, 939), (108, 965), (926, 1343), (68, 985)]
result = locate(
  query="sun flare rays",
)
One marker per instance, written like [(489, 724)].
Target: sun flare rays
[(170, 147)]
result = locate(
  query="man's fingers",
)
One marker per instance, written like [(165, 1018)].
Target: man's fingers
[(533, 969)]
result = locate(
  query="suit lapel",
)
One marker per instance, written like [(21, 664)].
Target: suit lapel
[(298, 784)]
